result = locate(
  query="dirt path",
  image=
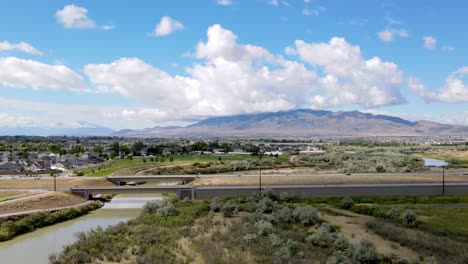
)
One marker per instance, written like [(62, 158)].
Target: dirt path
[(46, 210), (24, 197), (43, 201), (352, 227)]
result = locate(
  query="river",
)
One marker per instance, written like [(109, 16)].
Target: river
[(35, 247), (434, 163)]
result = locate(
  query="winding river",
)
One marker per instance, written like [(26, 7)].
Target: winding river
[(35, 247)]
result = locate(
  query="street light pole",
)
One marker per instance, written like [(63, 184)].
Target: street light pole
[(260, 154), (443, 180)]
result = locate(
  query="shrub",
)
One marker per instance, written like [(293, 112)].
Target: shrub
[(306, 215), (366, 253), (289, 197), (215, 205), (347, 203), (268, 192), (266, 205), (410, 219), (393, 213), (263, 227), (339, 257), (400, 261), (275, 240), (229, 209), (284, 215), (323, 238), (151, 207), (375, 208), (250, 238), (341, 244), (292, 247), (167, 209)]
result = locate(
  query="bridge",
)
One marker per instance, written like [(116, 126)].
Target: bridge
[(122, 180), (306, 191), (89, 192)]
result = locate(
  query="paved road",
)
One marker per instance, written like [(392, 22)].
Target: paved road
[(309, 191)]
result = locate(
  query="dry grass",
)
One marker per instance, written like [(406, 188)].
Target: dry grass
[(352, 227), (45, 201), (48, 183)]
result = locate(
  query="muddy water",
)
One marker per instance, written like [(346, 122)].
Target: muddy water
[(35, 247)]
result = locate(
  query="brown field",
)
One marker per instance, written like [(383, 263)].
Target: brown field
[(44, 200), (48, 183)]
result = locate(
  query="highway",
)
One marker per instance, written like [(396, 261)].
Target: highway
[(307, 191)]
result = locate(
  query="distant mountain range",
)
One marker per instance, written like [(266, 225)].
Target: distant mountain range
[(303, 122), (82, 128), (294, 123)]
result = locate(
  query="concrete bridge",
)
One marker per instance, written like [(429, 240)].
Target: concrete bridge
[(89, 192), (122, 180), (306, 191)]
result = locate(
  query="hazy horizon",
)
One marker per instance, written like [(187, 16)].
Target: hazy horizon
[(132, 66)]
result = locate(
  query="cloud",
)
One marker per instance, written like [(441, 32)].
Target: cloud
[(454, 90), (274, 2), (107, 27), (429, 42), (313, 12), (72, 16), (234, 78), (349, 78), (25, 113), (392, 21), (224, 2), (22, 46), (447, 48), (389, 35), (22, 73), (167, 26), (13, 121)]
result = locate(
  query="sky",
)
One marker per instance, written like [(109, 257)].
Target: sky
[(138, 64)]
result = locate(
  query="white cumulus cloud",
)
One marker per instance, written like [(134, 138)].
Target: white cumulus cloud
[(22, 46), (22, 73), (430, 42), (167, 26), (389, 35), (349, 78), (454, 90), (235, 78), (72, 16)]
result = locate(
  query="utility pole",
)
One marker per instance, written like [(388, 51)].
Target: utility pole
[(443, 180), (55, 180), (260, 154)]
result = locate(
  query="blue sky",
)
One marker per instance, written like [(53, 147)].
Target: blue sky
[(127, 64)]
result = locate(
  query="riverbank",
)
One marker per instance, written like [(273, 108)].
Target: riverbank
[(37, 201), (15, 225), (267, 228)]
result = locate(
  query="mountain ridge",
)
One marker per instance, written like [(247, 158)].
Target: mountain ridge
[(304, 122)]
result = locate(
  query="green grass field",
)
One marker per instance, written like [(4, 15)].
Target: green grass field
[(127, 166), (447, 213), (454, 158)]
